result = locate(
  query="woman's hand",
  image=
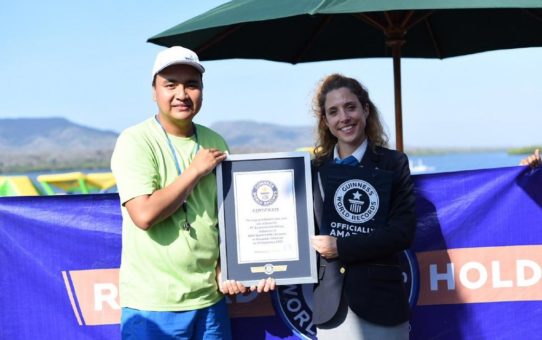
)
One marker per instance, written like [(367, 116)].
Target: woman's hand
[(326, 246), (533, 160)]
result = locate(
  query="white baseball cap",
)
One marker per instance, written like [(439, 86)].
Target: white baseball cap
[(176, 55)]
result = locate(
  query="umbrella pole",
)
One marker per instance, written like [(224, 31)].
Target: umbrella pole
[(395, 28), (396, 53)]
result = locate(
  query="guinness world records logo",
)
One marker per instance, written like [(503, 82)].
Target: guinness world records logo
[(264, 192), (294, 304), (356, 201)]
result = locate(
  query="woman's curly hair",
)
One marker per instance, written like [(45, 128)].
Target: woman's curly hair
[(325, 142)]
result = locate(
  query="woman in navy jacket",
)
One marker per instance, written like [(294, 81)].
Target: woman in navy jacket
[(365, 214)]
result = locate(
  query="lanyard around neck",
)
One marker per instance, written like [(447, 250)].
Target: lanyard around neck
[(172, 148), (186, 225)]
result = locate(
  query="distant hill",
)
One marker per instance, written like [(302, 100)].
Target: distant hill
[(248, 136), (52, 143), (57, 144), (28, 144), (37, 134)]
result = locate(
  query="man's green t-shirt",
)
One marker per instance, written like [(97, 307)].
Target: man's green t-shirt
[(166, 268)]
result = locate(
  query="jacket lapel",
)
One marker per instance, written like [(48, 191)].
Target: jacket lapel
[(370, 159)]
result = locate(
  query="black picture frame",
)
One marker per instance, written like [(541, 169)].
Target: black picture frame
[(236, 192)]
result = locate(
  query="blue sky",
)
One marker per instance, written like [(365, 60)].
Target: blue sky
[(88, 61)]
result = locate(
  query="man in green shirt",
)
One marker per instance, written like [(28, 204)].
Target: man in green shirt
[(170, 276)]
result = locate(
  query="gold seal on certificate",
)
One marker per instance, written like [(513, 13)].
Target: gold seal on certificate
[(265, 218)]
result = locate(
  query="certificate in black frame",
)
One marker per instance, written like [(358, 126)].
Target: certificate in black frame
[(237, 173)]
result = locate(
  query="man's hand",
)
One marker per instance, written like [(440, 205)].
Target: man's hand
[(207, 159), (232, 287), (264, 285)]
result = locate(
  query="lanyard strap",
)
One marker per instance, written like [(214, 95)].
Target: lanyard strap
[(172, 148), (186, 225)]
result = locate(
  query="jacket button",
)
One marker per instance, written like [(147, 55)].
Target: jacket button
[(342, 270)]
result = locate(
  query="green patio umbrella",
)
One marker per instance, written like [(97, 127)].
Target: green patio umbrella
[(297, 31)]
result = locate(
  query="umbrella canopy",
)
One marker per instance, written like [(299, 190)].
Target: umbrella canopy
[(319, 30)]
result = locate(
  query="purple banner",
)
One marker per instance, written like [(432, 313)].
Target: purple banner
[(474, 271), (479, 255)]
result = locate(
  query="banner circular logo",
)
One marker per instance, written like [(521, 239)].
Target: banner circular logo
[(356, 201), (294, 305), (294, 302), (411, 275), (265, 193)]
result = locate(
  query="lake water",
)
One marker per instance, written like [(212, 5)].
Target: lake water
[(437, 163), (433, 163), (464, 161), (419, 164)]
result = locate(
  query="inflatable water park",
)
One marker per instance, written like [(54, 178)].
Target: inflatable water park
[(58, 183)]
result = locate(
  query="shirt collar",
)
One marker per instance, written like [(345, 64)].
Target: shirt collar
[(358, 153)]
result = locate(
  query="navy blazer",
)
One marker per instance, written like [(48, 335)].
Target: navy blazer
[(367, 268)]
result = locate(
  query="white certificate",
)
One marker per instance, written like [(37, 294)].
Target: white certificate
[(266, 216)]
